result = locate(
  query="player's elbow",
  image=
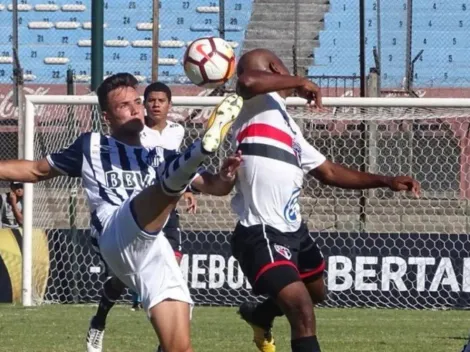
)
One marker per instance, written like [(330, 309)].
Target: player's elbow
[(326, 173), (245, 85), (224, 191), (40, 170)]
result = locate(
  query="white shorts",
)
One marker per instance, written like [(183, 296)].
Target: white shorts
[(143, 262)]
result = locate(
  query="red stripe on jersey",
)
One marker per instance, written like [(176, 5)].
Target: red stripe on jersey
[(265, 131)]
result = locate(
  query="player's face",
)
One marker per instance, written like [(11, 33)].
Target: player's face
[(125, 110), (157, 106)]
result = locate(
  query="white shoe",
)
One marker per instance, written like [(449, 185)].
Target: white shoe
[(220, 122), (94, 340)]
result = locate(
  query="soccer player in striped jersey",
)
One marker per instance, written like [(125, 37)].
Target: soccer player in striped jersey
[(157, 132), (272, 244), (131, 193)]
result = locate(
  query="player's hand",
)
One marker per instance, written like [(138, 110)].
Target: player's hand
[(229, 168), (12, 198), (191, 203), (310, 91), (405, 183)]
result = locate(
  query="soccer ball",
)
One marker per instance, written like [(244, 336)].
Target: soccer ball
[(209, 62)]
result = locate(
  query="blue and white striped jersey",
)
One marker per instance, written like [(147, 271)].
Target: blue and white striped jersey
[(111, 171)]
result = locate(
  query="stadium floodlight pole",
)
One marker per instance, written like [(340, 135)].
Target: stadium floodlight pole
[(155, 38), (409, 43), (18, 81), (379, 46), (363, 124), (222, 19), (362, 46), (97, 43), (15, 47), (97, 48)]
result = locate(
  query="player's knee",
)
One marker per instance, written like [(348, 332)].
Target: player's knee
[(296, 303), (317, 290), (179, 345), (301, 316), (113, 288), (318, 296)]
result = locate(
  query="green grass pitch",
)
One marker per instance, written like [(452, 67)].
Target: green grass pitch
[(63, 328)]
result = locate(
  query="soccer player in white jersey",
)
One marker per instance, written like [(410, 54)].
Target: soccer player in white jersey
[(168, 135), (131, 194), (271, 243)]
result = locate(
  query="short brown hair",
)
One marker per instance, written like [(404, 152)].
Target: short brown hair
[(119, 80)]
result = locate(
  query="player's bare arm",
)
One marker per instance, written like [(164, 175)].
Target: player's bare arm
[(27, 171), (333, 174), (219, 184), (260, 72)]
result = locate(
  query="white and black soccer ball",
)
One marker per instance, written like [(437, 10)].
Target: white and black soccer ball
[(209, 62)]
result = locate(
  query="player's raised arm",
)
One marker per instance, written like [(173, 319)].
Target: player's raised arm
[(260, 72), (26, 170), (219, 184), (340, 176)]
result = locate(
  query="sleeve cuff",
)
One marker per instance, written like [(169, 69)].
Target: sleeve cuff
[(311, 166), (53, 165)]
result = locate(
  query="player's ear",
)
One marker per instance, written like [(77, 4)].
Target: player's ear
[(274, 68), (105, 116)]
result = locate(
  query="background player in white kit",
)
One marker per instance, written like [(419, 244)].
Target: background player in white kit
[(162, 132), (158, 132), (168, 135), (130, 198), (271, 243)]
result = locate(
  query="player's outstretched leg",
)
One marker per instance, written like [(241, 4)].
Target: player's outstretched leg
[(260, 317), (112, 290), (159, 281)]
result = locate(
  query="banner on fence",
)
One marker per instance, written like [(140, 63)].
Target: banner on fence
[(363, 269)]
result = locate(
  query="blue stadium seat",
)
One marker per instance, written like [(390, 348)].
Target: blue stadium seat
[(180, 20), (6, 36), (440, 29), (441, 6), (350, 5), (6, 74)]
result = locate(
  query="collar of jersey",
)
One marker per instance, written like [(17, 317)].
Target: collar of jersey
[(277, 96)]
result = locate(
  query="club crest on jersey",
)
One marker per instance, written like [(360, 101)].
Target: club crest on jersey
[(153, 159), (285, 252)]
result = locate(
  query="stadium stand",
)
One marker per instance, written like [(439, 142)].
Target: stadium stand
[(55, 35), (439, 29)]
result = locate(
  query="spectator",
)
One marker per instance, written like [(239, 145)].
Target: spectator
[(11, 206)]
